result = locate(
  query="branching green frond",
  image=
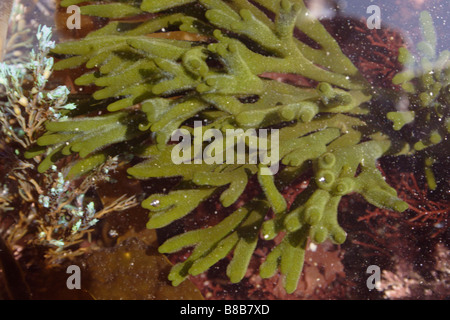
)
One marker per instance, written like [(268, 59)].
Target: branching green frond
[(155, 90), (88, 135), (239, 231)]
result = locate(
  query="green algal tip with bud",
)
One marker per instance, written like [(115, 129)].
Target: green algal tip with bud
[(149, 87)]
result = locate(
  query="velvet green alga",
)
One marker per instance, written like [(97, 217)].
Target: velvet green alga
[(148, 87)]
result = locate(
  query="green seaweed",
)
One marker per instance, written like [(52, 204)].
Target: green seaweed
[(426, 82), (160, 85)]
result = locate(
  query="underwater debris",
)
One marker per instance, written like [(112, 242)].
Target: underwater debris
[(406, 283), (149, 87), (140, 266)]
